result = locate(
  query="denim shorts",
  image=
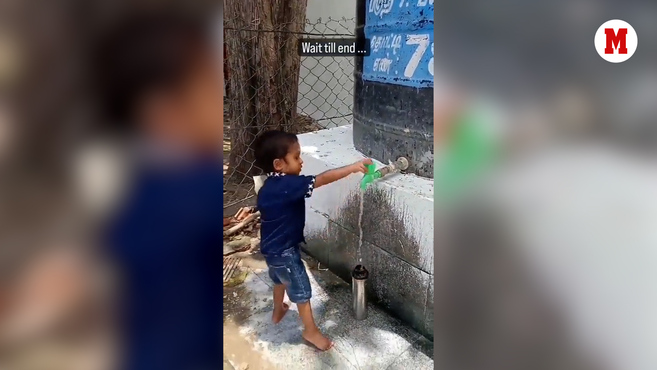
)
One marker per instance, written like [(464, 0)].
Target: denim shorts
[(288, 269)]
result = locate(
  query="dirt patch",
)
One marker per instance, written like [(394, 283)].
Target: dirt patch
[(239, 353), (238, 350)]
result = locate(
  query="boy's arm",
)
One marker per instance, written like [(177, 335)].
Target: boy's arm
[(336, 174)]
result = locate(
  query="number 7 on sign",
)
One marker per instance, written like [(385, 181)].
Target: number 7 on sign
[(422, 42)]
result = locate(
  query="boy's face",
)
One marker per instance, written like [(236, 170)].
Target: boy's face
[(292, 163), (202, 103), (193, 113)]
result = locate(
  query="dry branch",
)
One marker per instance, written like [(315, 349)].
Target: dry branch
[(242, 224)]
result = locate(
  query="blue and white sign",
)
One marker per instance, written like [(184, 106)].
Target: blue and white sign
[(401, 42)]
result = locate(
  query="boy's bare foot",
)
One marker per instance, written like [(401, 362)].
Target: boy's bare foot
[(278, 315), (317, 339)]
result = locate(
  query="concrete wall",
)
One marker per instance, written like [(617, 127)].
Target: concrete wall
[(326, 84), (397, 228)]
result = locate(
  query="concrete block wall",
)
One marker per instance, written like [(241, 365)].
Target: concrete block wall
[(397, 229)]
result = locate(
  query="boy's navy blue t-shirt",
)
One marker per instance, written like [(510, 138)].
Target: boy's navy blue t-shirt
[(281, 202), (167, 241)]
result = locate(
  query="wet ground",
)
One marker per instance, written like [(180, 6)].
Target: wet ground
[(251, 341)]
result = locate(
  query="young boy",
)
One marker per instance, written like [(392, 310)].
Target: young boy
[(281, 202), (159, 79)]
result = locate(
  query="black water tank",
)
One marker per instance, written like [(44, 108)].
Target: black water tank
[(393, 97)]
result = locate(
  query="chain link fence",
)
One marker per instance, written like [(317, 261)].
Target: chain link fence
[(324, 98)]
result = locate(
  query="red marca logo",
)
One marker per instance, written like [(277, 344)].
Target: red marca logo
[(616, 41)]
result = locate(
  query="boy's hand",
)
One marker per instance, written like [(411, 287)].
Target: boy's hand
[(336, 174), (360, 165)]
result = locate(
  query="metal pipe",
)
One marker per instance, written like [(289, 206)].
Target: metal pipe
[(358, 289), (400, 164)]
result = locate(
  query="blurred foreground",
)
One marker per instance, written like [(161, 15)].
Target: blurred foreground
[(62, 176), (547, 173)]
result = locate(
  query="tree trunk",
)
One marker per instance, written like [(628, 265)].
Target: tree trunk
[(261, 38)]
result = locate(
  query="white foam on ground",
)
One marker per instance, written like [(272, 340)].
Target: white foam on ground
[(374, 343)]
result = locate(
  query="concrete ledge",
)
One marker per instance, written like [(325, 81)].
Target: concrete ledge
[(397, 228)]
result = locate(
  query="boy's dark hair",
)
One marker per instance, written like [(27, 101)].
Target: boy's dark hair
[(143, 53), (272, 145)]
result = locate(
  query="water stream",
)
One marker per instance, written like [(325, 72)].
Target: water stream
[(360, 227)]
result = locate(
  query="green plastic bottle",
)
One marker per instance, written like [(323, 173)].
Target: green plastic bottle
[(470, 150), (371, 175)]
